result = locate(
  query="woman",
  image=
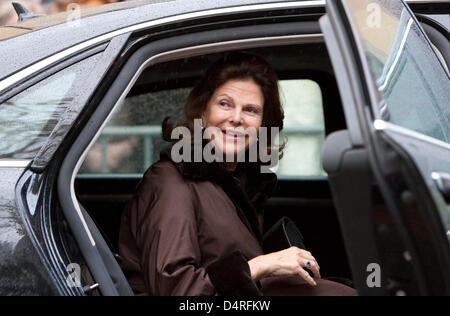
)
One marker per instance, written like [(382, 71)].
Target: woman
[(195, 227)]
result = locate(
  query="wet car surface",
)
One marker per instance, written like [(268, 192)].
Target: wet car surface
[(47, 201)]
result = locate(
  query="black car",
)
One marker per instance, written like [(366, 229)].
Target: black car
[(366, 93)]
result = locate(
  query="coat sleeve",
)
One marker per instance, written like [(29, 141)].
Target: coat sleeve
[(167, 236)]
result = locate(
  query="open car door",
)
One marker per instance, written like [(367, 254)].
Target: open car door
[(390, 170)]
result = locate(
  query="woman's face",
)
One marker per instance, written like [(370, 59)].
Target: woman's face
[(234, 107)]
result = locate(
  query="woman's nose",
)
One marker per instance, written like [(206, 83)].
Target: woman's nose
[(236, 117)]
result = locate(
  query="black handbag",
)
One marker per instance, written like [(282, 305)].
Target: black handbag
[(282, 235)]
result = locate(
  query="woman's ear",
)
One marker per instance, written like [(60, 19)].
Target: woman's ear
[(203, 120)]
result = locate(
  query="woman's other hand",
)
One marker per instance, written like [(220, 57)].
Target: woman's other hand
[(285, 262)]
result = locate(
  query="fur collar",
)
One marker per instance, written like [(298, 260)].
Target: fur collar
[(247, 187)]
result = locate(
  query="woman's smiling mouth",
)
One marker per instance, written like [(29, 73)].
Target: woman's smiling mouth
[(233, 135)]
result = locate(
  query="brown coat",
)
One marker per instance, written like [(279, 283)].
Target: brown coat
[(190, 229)]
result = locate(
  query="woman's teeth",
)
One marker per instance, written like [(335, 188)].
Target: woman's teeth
[(232, 135)]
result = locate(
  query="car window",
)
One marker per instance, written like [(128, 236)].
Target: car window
[(131, 141), (304, 127), (27, 119), (410, 77)]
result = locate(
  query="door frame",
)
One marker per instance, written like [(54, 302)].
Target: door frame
[(156, 52)]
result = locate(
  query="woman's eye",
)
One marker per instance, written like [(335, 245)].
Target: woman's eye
[(253, 110), (223, 103)]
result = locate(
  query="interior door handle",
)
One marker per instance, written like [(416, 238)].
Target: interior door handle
[(442, 181)]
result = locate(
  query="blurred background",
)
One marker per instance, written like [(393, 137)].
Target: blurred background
[(9, 16)]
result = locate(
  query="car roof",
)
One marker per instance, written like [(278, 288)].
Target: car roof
[(20, 28), (37, 23), (40, 37)]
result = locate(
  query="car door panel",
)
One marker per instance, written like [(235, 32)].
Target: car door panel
[(21, 270), (401, 154)]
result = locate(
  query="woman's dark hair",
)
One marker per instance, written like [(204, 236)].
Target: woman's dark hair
[(235, 65)]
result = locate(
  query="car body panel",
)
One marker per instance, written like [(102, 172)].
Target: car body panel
[(45, 229), (21, 270)]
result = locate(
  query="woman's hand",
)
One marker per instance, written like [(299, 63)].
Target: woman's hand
[(285, 262)]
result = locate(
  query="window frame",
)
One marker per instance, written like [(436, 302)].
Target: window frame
[(198, 50), (315, 77)]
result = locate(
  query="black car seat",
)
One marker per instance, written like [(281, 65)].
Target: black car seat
[(350, 179)]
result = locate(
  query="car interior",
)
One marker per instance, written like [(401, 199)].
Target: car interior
[(131, 142)]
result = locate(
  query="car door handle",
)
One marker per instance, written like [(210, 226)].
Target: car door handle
[(442, 181)]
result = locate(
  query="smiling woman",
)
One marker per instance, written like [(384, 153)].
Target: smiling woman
[(237, 95), (195, 227), (235, 106)]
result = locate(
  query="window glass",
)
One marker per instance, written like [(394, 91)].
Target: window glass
[(131, 141), (304, 128), (410, 77), (27, 119)]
